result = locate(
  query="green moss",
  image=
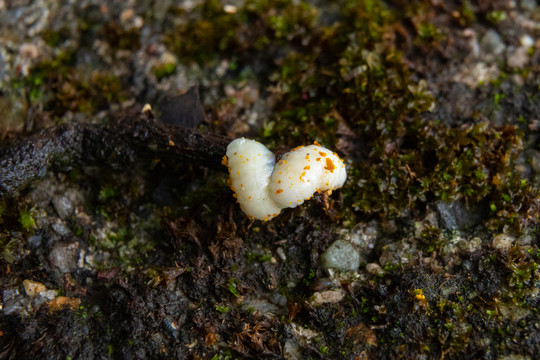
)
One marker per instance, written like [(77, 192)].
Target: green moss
[(164, 70), (222, 309), (496, 16), (231, 286), (54, 38), (27, 220), (107, 193)]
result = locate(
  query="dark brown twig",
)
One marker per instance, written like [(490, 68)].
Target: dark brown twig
[(120, 142)]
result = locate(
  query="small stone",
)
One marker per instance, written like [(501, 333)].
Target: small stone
[(326, 297), (63, 206), (291, 350), (12, 306), (517, 58), (34, 240), (341, 255), (530, 5), (375, 269), (502, 242), (457, 215), (526, 41), (64, 257), (471, 245), (281, 254), (61, 228), (492, 43), (33, 288), (49, 294), (525, 240), (263, 307)]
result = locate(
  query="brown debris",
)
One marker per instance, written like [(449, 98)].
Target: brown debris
[(62, 302), (361, 334)]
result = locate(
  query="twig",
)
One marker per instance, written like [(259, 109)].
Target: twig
[(121, 142)]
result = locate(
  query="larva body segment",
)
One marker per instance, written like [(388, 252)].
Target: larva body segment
[(297, 175), (250, 166), (263, 188), (303, 171)]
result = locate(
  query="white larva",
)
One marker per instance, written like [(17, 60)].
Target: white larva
[(263, 187), (250, 166)]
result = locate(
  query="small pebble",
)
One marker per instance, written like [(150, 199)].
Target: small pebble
[(341, 255), (502, 242)]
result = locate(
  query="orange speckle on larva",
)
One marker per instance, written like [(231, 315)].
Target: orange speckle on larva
[(306, 167), (330, 165), (279, 181), (238, 172), (279, 173), (279, 191), (318, 159), (306, 157), (224, 160), (316, 143), (323, 154), (249, 197)]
